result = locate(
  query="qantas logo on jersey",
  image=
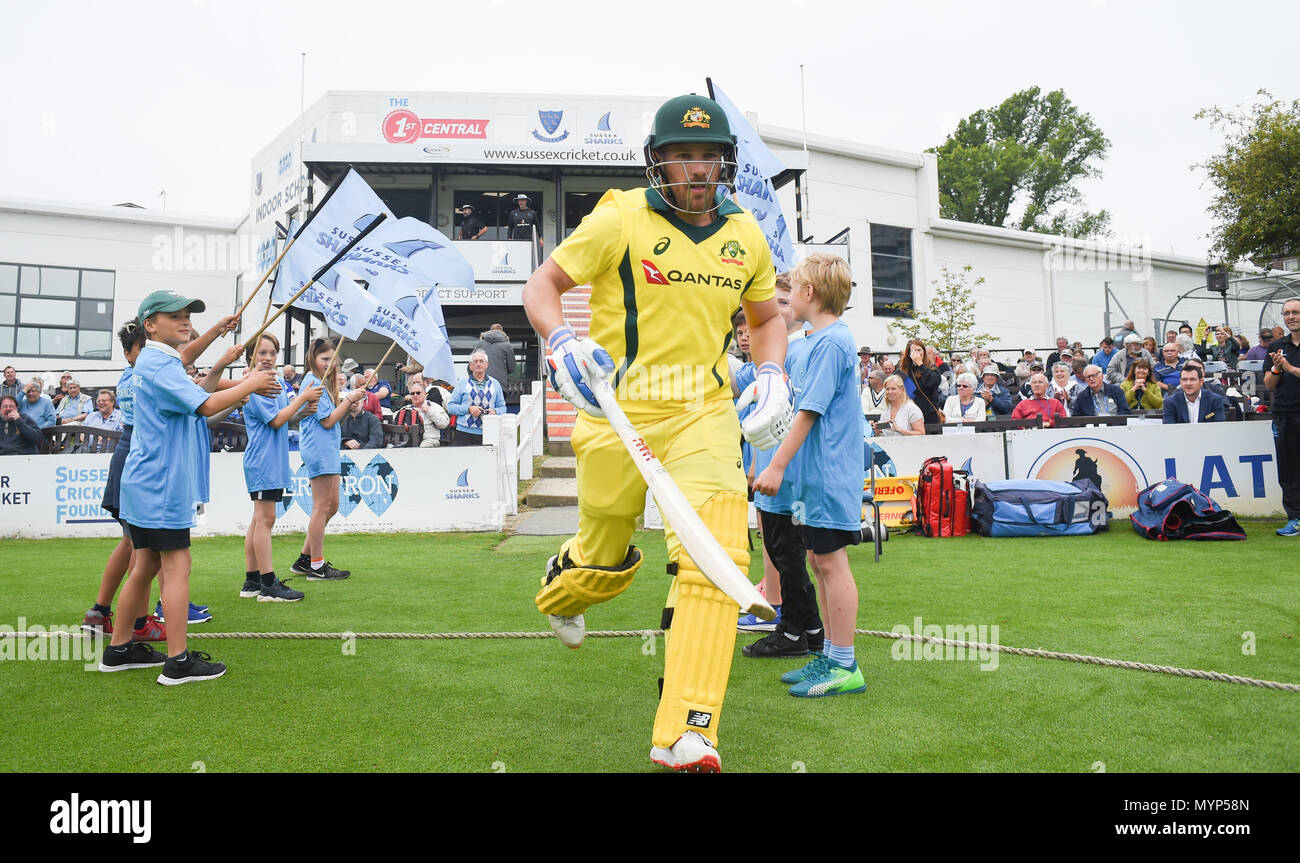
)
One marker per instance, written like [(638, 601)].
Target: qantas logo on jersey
[(705, 279), (652, 274)]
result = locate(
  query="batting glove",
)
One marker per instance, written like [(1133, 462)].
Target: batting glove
[(575, 365), (770, 421)]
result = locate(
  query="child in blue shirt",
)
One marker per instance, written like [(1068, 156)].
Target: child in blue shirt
[(827, 490), (319, 444), (266, 471), (798, 626), (160, 485)]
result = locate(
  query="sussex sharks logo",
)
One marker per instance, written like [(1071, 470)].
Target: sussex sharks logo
[(604, 134), (462, 490)]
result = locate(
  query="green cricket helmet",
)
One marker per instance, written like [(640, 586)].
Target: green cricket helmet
[(695, 120)]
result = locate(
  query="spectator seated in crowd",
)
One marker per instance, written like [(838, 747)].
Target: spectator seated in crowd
[(1258, 352), (382, 389), (62, 391), (1063, 387), (74, 407), (10, 385), (1062, 346), (1026, 391), (1117, 371), (873, 395), (1166, 372), (1141, 391), (965, 406), (996, 397), (1023, 370), (360, 429), (431, 416), (290, 377), (19, 435), (946, 373), (36, 406), (1105, 353), (1100, 399), (901, 416), (1194, 402), (371, 403), (1039, 403), (1187, 347), (106, 415)]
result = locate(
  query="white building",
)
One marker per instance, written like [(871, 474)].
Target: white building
[(71, 274)]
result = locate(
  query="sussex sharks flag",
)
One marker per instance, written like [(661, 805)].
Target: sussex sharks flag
[(343, 303), (756, 166)]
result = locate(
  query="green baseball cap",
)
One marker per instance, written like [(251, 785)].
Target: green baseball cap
[(168, 301), (690, 118)]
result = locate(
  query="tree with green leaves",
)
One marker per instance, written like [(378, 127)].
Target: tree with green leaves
[(948, 322), (1256, 177), (1026, 153)]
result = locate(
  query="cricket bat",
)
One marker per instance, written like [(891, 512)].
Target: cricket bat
[(709, 556)]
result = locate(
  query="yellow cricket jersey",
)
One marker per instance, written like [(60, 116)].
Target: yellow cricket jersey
[(663, 293)]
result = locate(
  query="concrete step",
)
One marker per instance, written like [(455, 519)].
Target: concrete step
[(559, 466), (553, 491), (559, 447)]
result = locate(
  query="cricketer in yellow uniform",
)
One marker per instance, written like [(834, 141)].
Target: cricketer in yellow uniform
[(662, 296)]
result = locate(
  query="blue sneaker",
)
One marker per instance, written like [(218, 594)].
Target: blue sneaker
[(753, 623), (194, 607), (814, 667), (1291, 528), (195, 616)]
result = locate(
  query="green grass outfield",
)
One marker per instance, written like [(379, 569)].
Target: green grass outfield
[(531, 705)]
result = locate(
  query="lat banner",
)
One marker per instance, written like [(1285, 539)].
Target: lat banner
[(756, 166)]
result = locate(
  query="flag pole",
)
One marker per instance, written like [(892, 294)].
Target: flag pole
[(379, 365), (287, 246), (319, 273), (338, 352)]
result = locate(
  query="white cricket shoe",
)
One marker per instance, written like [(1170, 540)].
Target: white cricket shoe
[(570, 629), (692, 753)]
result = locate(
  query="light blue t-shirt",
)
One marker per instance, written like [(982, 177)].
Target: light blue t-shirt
[(160, 482), (829, 484), (126, 396), (266, 459), (41, 413), (319, 445), (781, 501)]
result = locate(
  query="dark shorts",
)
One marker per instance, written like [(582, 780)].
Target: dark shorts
[(464, 438), (159, 539), (824, 540), (112, 488), (275, 494)]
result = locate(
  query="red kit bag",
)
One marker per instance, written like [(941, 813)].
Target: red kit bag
[(942, 499)]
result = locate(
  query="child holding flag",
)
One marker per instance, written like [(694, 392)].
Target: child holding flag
[(160, 485), (266, 470), (319, 446), (827, 489)]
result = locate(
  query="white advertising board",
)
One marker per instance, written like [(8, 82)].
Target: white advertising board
[(381, 491), (1234, 463)]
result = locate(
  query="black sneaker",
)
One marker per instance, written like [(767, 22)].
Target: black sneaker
[(327, 573), (252, 587), (136, 655), (193, 665), (277, 592), (776, 645), (301, 566)]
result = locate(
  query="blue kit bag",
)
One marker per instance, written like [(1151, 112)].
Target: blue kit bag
[(1171, 509), (1039, 507)]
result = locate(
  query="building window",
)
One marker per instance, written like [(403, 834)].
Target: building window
[(56, 312), (891, 269)]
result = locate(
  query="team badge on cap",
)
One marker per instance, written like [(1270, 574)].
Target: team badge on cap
[(695, 117)]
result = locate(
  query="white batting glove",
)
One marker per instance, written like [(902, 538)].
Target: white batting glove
[(575, 365), (770, 421)]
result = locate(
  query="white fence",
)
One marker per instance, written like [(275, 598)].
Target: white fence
[(517, 439)]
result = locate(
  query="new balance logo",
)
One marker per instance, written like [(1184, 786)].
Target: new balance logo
[(652, 274), (698, 719)]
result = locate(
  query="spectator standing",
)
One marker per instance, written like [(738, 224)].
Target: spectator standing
[(1283, 378), (36, 406), (10, 386), (921, 380), (471, 226), (865, 365), (1127, 330), (475, 396), (1225, 348), (18, 434), (501, 354), (525, 223)]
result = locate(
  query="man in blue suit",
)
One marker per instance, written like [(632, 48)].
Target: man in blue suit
[(1193, 403), (1098, 399)]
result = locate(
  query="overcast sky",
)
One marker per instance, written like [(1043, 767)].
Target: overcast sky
[(111, 102)]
